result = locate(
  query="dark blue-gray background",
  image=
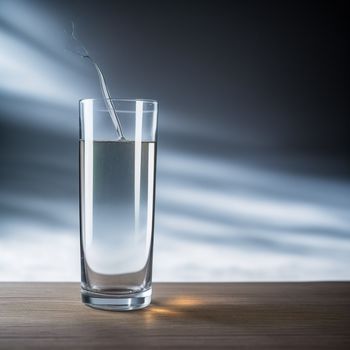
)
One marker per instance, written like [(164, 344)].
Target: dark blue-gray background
[(253, 169)]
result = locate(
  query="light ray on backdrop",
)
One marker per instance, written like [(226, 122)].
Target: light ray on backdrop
[(218, 218)]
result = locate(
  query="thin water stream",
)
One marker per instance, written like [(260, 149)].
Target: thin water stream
[(82, 51)]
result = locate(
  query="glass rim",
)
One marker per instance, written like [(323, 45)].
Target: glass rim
[(82, 100)]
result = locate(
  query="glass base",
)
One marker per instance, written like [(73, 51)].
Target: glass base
[(118, 302)]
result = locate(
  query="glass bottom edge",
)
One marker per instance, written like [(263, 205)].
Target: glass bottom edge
[(110, 302)]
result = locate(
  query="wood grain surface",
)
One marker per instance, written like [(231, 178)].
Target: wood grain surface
[(182, 316)]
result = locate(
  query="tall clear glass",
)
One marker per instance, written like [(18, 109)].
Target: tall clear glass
[(117, 193)]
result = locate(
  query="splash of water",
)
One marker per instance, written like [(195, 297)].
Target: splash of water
[(81, 51)]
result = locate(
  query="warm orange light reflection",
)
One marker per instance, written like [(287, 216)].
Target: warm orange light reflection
[(162, 310), (185, 301), (176, 307), (154, 313)]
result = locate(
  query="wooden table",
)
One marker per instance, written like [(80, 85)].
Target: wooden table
[(182, 315)]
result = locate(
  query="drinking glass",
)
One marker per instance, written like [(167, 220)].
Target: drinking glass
[(117, 194)]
